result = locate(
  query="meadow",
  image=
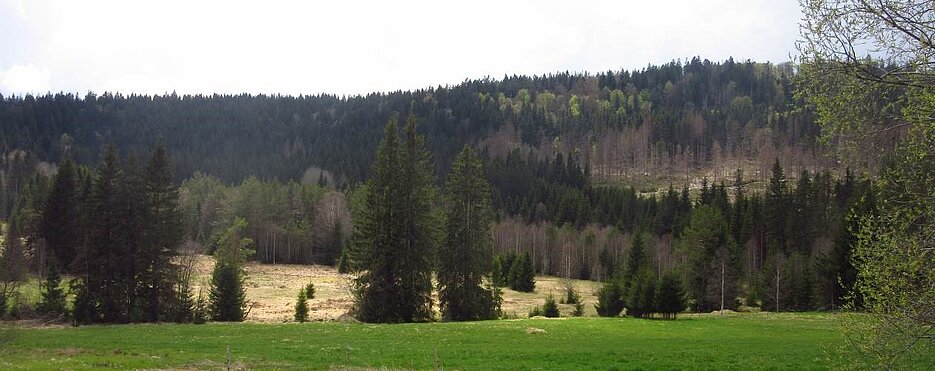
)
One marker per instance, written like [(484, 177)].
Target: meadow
[(730, 341)]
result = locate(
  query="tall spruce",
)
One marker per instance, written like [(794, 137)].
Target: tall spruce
[(61, 224), (107, 262), (776, 209), (396, 233), (162, 232), (420, 228), (465, 257)]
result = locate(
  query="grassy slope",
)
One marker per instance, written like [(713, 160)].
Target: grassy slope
[(784, 341)]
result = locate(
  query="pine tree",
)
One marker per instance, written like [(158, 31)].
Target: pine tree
[(301, 307), (162, 235), (396, 235), (641, 293), (376, 236), (550, 308), (420, 227), (776, 209), (227, 298), (610, 298), (344, 265), (52, 297), (466, 254), (61, 224), (107, 261), (522, 274), (670, 296)]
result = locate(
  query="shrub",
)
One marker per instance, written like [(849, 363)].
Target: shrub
[(301, 307), (579, 309), (535, 312), (571, 295), (550, 309)]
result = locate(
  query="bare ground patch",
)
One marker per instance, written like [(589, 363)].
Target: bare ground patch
[(272, 290)]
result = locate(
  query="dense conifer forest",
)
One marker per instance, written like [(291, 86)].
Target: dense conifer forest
[(580, 167)]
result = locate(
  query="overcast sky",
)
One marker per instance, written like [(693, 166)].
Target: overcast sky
[(356, 47)]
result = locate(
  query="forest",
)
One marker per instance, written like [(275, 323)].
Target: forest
[(580, 167)]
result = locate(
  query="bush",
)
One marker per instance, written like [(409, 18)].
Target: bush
[(550, 309), (535, 312), (579, 309), (301, 307), (571, 295)]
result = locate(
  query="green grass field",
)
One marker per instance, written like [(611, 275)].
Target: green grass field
[(736, 341)]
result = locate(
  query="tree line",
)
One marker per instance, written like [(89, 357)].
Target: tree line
[(118, 230), (683, 114)]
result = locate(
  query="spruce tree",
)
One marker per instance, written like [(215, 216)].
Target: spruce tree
[(52, 297), (522, 274), (396, 234), (421, 227), (301, 307), (227, 298), (776, 209), (107, 260), (376, 236), (162, 235), (465, 257), (61, 224), (610, 298), (670, 296)]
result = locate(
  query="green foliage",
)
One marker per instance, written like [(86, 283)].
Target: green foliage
[(60, 219), (670, 296), (641, 294), (395, 234), (709, 251), (301, 307), (344, 264), (610, 299), (52, 297), (571, 295), (579, 309), (200, 309), (464, 259), (550, 308), (227, 297), (522, 274), (310, 291)]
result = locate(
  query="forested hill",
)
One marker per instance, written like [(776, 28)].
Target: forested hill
[(677, 115)]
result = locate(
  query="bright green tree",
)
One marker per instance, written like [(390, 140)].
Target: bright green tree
[(863, 101)]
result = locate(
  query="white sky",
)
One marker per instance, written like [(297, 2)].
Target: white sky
[(356, 47)]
